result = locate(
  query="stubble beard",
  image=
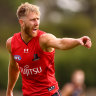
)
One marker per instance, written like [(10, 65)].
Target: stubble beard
[(28, 30)]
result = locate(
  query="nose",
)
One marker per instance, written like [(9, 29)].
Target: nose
[(36, 22)]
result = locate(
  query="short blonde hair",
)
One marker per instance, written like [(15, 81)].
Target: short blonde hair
[(25, 8)]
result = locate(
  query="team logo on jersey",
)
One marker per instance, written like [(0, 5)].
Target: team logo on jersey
[(17, 57), (26, 50), (36, 57), (51, 88)]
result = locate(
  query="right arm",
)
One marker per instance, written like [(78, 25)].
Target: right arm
[(13, 71), (49, 41)]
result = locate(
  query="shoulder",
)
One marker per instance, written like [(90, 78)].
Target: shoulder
[(45, 40), (68, 87), (46, 37), (8, 44)]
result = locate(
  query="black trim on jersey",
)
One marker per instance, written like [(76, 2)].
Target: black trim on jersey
[(23, 40), (57, 93), (51, 88)]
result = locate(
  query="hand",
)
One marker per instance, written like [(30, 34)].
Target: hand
[(85, 41)]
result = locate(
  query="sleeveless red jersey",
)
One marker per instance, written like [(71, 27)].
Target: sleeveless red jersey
[(35, 65)]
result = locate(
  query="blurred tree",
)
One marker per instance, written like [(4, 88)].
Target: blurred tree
[(91, 10)]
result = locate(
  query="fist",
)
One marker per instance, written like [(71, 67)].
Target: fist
[(85, 41)]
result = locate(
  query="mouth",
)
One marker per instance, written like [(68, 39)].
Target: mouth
[(35, 29)]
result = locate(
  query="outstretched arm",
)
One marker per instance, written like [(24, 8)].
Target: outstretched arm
[(50, 41), (13, 71)]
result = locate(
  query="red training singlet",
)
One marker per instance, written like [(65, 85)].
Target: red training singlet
[(35, 65)]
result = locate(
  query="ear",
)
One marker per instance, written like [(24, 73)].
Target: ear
[(21, 22)]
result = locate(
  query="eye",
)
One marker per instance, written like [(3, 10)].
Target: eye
[(32, 19)]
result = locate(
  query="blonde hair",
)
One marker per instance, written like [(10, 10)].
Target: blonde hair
[(25, 8)]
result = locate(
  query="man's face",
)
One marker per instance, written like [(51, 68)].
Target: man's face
[(78, 78), (31, 24)]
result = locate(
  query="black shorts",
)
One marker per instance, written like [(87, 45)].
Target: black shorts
[(57, 93)]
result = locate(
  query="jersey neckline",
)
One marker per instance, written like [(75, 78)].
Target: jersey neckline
[(29, 41)]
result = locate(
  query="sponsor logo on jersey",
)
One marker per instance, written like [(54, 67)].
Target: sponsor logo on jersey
[(51, 88), (17, 57), (28, 71), (36, 57)]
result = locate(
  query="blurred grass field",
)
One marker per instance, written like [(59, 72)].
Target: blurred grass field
[(89, 92)]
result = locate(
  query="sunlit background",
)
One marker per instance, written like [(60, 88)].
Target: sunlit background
[(63, 18)]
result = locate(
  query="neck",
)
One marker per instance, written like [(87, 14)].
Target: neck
[(26, 38)]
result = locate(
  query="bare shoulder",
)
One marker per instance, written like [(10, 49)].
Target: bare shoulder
[(45, 40), (8, 44), (46, 37), (69, 85), (67, 89)]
